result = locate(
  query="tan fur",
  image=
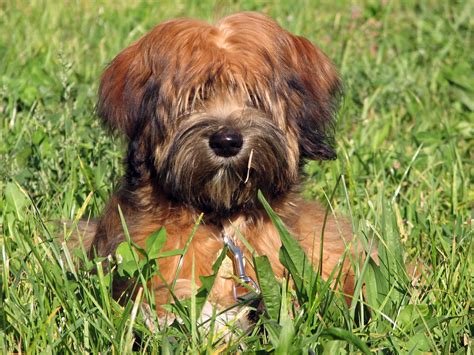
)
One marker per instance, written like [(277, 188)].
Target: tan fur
[(173, 89), (303, 219)]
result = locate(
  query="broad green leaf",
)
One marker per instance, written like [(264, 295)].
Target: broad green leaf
[(375, 284), (292, 255), (429, 324), (127, 259), (273, 330), (155, 243), (126, 252), (287, 335), (126, 233), (335, 347), (287, 262), (16, 200), (409, 316), (417, 344), (269, 286), (342, 334)]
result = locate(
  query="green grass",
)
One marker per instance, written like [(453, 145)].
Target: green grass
[(404, 176)]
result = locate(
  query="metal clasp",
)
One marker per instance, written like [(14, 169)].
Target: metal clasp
[(239, 268)]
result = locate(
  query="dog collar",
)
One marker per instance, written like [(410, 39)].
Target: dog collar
[(245, 288)]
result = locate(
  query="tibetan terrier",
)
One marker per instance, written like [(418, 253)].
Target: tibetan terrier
[(212, 114)]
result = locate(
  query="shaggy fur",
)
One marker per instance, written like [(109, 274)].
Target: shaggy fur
[(169, 93)]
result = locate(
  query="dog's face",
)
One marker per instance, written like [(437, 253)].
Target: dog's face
[(214, 113)]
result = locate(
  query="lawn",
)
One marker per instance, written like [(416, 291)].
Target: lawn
[(403, 176)]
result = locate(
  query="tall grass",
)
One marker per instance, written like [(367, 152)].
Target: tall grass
[(403, 177)]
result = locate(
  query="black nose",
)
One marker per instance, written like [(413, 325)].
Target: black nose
[(226, 142)]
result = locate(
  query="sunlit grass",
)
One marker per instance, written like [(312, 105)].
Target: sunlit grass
[(403, 176)]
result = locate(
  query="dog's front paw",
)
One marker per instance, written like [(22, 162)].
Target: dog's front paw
[(221, 324)]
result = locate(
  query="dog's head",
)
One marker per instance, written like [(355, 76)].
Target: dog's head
[(214, 113)]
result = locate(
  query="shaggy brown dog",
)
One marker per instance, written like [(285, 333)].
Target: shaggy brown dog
[(212, 114)]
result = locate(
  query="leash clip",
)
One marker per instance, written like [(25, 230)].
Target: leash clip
[(246, 281)]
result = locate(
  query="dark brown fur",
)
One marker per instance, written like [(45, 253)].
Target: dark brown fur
[(169, 91)]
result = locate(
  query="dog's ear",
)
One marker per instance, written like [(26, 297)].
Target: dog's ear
[(317, 82), (128, 92)]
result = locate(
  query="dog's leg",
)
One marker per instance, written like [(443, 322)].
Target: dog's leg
[(220, 312)]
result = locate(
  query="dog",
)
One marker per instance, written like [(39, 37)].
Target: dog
[(212, 114)]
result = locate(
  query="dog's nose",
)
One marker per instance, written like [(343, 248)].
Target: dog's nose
[(226, 142)]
